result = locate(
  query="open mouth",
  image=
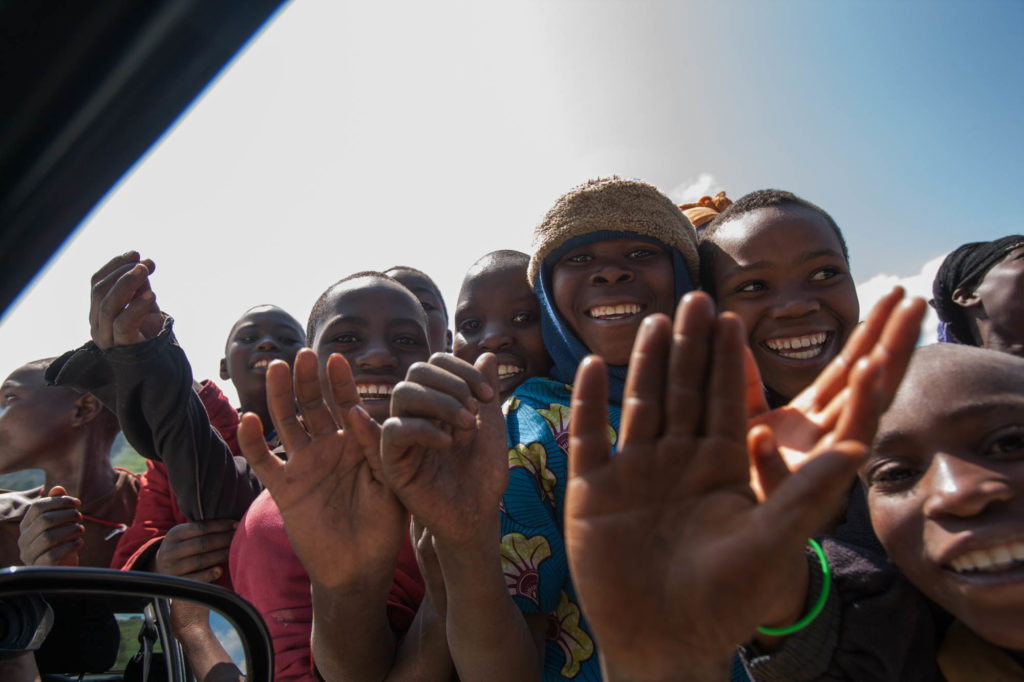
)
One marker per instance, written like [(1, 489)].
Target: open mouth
[(506, 371), (614, 312), (262, 363), (991, 560), (374, 391), (803, 347)]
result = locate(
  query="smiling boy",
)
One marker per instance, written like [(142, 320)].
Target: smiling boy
[(497, 312)]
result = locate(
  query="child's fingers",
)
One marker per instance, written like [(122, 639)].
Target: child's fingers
[(588, 429), (487, 365), (867, 402), (897, 343), (642, 399), (205, 575), (344, 393), (401, 436), (769, 466), (109, 298), (309, 395), (833, 378), (475, 380), (127, 326), (129, 258), (757, 403), (47, 543), (63, 554), (439, 380), (688, 363), (365, 434), (413, 399), (264, 463), (726, 401), (809, 497), (281, 405)]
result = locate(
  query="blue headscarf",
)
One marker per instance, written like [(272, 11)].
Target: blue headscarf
[(564, 347)]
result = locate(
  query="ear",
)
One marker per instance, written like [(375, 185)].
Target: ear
[(448, 340), (224, 369), (966, 297), (87, 407)]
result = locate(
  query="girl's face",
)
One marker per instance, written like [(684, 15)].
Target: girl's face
[(603, 290), (437, 322), (1001, 294), (782, 271), (498, 313), (945, 484), (380, 330), (258, 338)]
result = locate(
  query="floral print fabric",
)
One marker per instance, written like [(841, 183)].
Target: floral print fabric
[(532, 544)]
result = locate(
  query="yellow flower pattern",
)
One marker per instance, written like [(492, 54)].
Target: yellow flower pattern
[(534, 458), (564, 628), (521, 558)]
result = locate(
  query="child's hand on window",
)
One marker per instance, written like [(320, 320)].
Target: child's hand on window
[(123, 309), (443, 448), (674, 559), (344, 523)]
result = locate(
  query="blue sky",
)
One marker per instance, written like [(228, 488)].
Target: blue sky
[(360, 135)]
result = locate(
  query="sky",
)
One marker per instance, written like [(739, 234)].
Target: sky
[(353, 136)]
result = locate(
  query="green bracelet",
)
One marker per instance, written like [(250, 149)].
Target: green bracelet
[(826, 585)]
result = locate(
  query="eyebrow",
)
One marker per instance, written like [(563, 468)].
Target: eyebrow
[(761, 264), (971, 411)]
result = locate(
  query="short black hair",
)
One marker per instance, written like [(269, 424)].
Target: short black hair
[(430, 281), (319, 310), (269, 307), (502, 257), (762, 198)]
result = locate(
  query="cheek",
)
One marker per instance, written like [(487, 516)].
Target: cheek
[(748, 312), (464, 350), (563, 287), (844, 303), (898, 523)]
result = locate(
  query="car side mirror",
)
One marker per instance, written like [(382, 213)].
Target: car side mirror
[(65, 623)]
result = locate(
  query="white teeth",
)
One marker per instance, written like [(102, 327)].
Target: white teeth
[(610, 312), (989, 560), (508, 370), (261, 363), (374, 391), (791, 347)]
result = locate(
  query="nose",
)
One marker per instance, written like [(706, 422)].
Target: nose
[(495, 337), (958, 487), (375, 355), (611, 273), (794, 302), (267, 343)]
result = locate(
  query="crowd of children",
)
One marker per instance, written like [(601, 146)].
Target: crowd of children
[(645, 451)]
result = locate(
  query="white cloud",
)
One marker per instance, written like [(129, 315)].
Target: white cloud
[(915, 285), (692, 190)]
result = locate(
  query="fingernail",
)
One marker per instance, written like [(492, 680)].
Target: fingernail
[(216, 571)]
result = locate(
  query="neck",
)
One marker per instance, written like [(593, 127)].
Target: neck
[(258, 406), (83, 470), (993, 338)]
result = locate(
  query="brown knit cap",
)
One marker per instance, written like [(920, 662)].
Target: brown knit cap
[(618, 205)]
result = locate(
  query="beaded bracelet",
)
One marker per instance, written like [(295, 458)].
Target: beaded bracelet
[(826, 585)]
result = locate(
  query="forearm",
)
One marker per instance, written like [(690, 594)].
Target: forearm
[(352, 639), (488, 635), (423, 654), (207, 657)]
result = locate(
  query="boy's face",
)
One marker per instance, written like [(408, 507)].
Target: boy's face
[(437, 327), (380, 330), (498, 313), (782, 270), (1001, 293), (259, 336), (945, 483), (605, 289), (33, 418)]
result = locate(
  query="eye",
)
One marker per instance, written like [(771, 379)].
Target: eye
[(824, 274), (8, 398), (579, 258), (407, 340), (469, 326), (288, 340), (247, 339), (524, 318), (428, 306), (346, 338), (642, 252), (752, 286), (892, 475), (1006, 444)]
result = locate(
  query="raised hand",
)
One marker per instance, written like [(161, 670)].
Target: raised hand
[(123, 310), (444, 448), (52, 530), (345, 524), (673, 557), (195, 550), (823, 413)]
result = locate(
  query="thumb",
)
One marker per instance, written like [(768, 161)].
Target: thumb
[(487, 365)]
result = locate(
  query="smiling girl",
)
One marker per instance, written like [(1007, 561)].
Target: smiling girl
[(781, 264)]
